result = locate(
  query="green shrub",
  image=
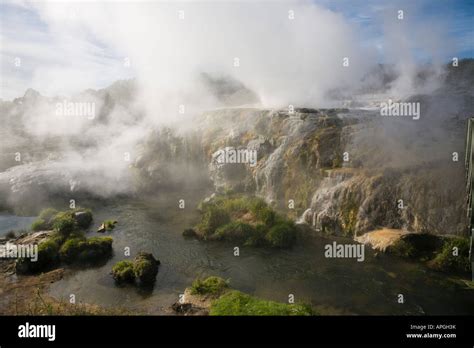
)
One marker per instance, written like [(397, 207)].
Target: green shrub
[(145, 268), (212, 219), (209, 286), (282, 235), (263, 212), (245, 219), (237, 303), (446, 261), (122, 272)]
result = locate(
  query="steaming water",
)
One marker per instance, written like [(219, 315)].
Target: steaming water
[(333, 286)]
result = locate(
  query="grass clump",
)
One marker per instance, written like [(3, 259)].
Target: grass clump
[(282, 234), (212, 219), (122, 272), (237, 303), (142, 270), (249, 220), (209, 286)]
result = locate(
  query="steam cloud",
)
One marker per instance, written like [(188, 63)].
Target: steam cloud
[(284, 61)]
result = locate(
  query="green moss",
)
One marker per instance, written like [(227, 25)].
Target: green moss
[(209, 286), (64, 223), (81, 250), (237, 303), (453, 257), (123, 272), (47, 258), (71, 249)]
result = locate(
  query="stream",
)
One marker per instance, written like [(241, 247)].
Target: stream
[(332, 286)]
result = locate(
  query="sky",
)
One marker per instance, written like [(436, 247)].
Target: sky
[(57, 50)]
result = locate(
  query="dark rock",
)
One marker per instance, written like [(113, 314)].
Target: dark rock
[(83, 218)]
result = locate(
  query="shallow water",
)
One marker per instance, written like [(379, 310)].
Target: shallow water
[(10, 222), (333, 286)]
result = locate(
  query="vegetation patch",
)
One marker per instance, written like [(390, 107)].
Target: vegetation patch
[(67, 244), (249, 220), (64, 221), (81, 250), (142, 270), (419, 246), (209, 286), (237, 303), (48, 257), (446, 254), (122, 272)]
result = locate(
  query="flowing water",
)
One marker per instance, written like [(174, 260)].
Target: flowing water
[(332, 286)]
